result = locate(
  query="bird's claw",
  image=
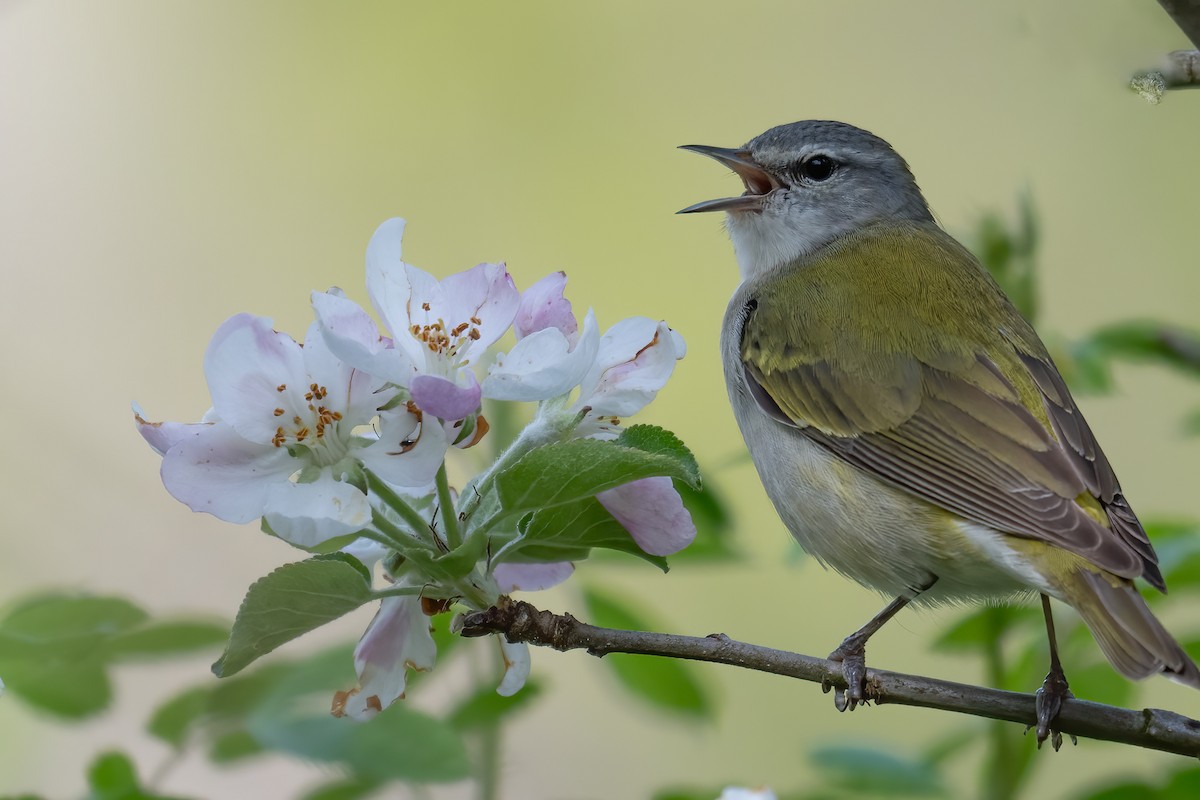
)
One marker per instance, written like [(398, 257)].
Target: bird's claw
[(1049, 702), (854, 672)]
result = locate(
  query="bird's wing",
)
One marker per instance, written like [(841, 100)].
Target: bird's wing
[(973, 420)]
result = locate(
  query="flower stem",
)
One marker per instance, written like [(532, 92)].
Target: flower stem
[(420, 528), (446, 505)]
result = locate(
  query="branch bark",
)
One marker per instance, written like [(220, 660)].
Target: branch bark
[(1186, 14), (1153, 729)]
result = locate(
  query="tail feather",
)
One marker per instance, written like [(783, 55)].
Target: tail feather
[(1133, 640)]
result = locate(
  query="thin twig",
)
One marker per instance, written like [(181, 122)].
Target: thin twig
[(1149, 728)]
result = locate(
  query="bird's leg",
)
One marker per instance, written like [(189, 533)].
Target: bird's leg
[(1054, 689), (852, 653)]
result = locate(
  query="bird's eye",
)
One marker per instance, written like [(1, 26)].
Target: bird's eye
[(816, 168)]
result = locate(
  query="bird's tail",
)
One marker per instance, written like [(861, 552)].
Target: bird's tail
[(1133, 640)]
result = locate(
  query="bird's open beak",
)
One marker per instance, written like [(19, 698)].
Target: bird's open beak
[(759, 183)]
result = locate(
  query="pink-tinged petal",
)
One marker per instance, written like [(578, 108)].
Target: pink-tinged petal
[(445, 399), (516, 666), (306, 514), (407, 453), (396, 641), (531, 577), (216, 471), (485, 292), (163, 435), (653, 513), (636, 358), (246, 365), (543, 306), (351, 335), (543, 365)]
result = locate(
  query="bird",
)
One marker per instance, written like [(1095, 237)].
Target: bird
[(907, 423)]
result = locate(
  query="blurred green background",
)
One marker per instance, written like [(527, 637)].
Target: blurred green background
[(164, 165)]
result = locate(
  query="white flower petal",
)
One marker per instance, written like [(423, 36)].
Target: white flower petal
[(738, 793), (511, 577), (398, 290), (516, 666), (636, 358), (406, 454), (397, 640), (163, 435), (214, 470), (543, 364), (307, 514), (653, 513), (368, 551), (352, 336), (246, 364)]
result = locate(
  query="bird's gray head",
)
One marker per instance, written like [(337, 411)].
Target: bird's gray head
[(807, 184)]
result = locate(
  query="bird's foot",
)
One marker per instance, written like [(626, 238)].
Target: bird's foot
[(853, 658), (1049, 702)]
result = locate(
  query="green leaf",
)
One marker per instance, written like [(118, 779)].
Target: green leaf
[(68, 688), (660, 441), (877, 773), (1131, 790), (1183, 785), (981, 626), (233, 746), (172, 721), (291, 601), (112, 777), (112, 773), (70, 626), (349, 789), (564, 472), (1100, 683), (1146, 340), (713, 525), (167, 638), (663, 682), (485, 707), (396, 744), (568, 532)]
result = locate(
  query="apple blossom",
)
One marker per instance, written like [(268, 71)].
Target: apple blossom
[(439, 328), (281, 436)]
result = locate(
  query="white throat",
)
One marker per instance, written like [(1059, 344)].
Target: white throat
[(763, 241)]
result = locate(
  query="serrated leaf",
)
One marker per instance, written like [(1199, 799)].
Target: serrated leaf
[(568, 532), (172, 720), (166, 639), (485, 707), (660, 441), (662, 682), (564, 472), (877, 773), (291, 601)]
